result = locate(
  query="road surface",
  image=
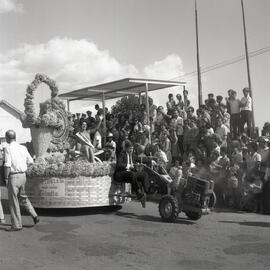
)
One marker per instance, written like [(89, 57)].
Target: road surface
[(136, 238)]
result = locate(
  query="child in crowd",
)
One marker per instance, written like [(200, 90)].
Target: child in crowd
[(176, 174)]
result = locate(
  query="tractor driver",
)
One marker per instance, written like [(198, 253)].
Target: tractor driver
[(126, 173)]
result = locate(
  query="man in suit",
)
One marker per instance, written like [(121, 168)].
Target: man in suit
[(126, 173)]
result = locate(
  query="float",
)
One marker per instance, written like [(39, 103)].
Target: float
[(53, 180)]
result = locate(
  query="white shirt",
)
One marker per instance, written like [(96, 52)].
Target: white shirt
[(247, 101), (234, 106), (178, 124), (97, 142), (17, 157), (129, 161)]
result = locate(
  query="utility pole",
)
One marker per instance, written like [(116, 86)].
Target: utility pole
[(248, 69), (198, 58)]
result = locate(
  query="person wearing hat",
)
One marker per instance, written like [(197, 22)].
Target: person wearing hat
[(110, 148), (110, 142), (246, 111)]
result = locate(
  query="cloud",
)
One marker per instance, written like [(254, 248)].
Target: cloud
[(72, 64), (10, 6), (170, 67)]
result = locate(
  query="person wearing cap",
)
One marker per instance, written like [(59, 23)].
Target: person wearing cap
[(211, 99), (125, 173), (219, 101), (246, 111), (110, 148)]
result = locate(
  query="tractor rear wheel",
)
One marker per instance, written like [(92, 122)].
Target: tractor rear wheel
[(168, 208)]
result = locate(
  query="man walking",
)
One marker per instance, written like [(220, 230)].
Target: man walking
[(16, 160)]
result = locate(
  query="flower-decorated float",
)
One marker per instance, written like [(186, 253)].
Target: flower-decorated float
[(54, 181)]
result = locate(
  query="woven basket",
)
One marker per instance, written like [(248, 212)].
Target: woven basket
[(82, 191), (41, 138)]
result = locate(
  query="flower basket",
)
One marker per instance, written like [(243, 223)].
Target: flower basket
[(75, 192), (41, 138)]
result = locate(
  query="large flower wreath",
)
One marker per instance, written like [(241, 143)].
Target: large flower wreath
[(47, 116)]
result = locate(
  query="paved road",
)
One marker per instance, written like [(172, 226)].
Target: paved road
[(135, 238)]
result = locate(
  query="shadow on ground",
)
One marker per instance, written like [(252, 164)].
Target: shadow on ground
[(61, 212), (152, 218), (249, 223)]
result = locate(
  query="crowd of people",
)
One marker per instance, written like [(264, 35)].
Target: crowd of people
[(214, 141)]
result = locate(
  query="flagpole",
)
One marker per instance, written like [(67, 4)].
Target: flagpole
[(247, 62), (198, 58)]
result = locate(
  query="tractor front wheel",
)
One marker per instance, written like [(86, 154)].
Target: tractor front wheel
[(168, 208)]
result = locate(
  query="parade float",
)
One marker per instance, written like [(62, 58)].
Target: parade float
[(53, 180)]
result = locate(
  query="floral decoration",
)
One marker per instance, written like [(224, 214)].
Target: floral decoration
[(47, 116)]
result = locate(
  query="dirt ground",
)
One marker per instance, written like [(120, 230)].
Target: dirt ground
[(136, 238)]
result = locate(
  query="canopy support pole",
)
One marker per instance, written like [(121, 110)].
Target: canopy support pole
[(147, 110), (68, 105), (104, 117)]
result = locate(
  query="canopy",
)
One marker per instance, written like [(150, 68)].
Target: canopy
[(118, 89)]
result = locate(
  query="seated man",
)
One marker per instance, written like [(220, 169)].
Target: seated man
[(126, 173)]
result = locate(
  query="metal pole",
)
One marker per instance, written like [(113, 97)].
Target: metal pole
[(104, 117), (198, 58), (68, 105), (147, 110), (247, 61)]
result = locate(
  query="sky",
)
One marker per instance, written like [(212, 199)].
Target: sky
[(85, 42)]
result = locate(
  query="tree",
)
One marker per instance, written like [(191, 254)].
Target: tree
[(266, 129), (127, 103)]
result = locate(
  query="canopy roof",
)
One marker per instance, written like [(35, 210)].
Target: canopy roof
[(117, 89)]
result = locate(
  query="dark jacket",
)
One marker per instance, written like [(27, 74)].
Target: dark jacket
[(122, 161)]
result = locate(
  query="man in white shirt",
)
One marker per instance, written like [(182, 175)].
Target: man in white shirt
[(246, 111), (16, 160)]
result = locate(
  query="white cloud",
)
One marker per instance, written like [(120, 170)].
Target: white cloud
[(170, 67), (72, 64), (10, 6)]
